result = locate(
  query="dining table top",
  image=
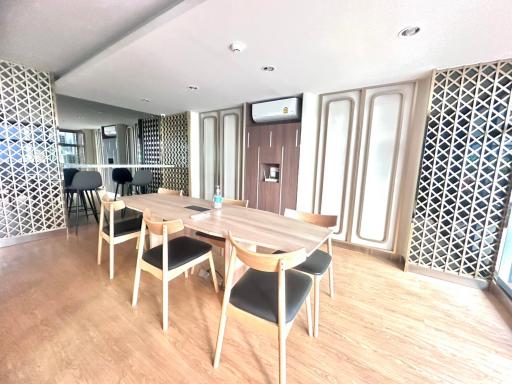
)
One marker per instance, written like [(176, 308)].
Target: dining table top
[(248, 225)]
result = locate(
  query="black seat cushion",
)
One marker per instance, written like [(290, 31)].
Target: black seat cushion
[(124, 227), (202, 234), (181, 250), (256, 293), (316, 264)]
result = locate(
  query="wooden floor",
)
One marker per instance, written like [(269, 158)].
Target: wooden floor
[(63, 321)]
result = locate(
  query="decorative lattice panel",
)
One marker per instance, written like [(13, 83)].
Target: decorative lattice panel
[(151, 149), (175, 150), (465, 176), (30, 186)]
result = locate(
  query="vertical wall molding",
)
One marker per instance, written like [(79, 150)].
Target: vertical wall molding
[(466, 171), (30, 179)]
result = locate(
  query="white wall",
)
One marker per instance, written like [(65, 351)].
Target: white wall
[(193, 121), (410, 177), (308, 152)]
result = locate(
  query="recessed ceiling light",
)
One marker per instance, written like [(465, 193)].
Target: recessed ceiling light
[(237, 46), (268, 68), (145, 100), (409, 31), (193, 87)]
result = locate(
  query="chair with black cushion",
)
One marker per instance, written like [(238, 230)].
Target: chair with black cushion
[(121, 176), (141, 179), (270, 293), (220, 242), (84, 184), (69, 173), (115, 232), (170, 259), (172, 192), (319, 261)]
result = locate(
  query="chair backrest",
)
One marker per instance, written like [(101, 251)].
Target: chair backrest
[(239, 203), (114, 205), (326, 221), (173, 192), (157, 226), (121, 175), (69, 173), (86, 180), (267, 262), (142, 177)]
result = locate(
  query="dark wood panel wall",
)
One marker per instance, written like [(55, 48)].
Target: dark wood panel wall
[(265, 145)]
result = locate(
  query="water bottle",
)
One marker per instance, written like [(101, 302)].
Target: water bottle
[(217, 198)]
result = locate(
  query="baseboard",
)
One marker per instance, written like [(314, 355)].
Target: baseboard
[(497, 291), (367, 250), (463, 280), (8, 242)]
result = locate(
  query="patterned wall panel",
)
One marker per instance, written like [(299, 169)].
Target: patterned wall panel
[(151, 149), (30, 186), (466, 171), (175, 150)]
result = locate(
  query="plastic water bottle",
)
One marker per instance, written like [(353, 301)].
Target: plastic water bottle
[(217, 198)]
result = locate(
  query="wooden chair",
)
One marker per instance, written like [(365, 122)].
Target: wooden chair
[(170, 259), (170, 192), (268, 299), (115, 232), (221, 242), (319, 261)]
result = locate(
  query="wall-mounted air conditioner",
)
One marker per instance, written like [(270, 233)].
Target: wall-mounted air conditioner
[(276, 110)]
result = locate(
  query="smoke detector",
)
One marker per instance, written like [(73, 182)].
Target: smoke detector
[(237, 46)]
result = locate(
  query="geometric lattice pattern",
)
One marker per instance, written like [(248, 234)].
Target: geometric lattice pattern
[(466, 171), (151, 149), (174, 146), (30, 182), (165, 141)]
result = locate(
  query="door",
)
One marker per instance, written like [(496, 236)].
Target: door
[(339, 122), (380, 165), (221, 160)]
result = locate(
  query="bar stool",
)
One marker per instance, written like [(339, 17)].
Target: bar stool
[(69, 173), (319, 261), (84, 184), (170, 259), (270, 293), (141, 179), (115, 232), (121, 176)]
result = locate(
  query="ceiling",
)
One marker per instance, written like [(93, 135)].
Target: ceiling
[(56, 35), (76, 113), (318, 47)]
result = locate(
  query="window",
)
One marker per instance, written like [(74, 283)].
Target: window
[(71, 147)]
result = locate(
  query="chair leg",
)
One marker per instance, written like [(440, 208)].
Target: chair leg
[(331, 281), (84, 204), (111, 260), (115, 195), (220, 337), (282, 353), (316, 283), (76, 212), (100, 248), (308, 313), (186, 274), (165, 303), (214, 274), (192, 270), (136, 284)]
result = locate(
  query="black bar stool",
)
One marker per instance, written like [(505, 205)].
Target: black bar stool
[(84, 183), (141, 179), (121, 176), (69, 173)]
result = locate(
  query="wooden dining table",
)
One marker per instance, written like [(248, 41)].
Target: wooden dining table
[(247, 225)]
